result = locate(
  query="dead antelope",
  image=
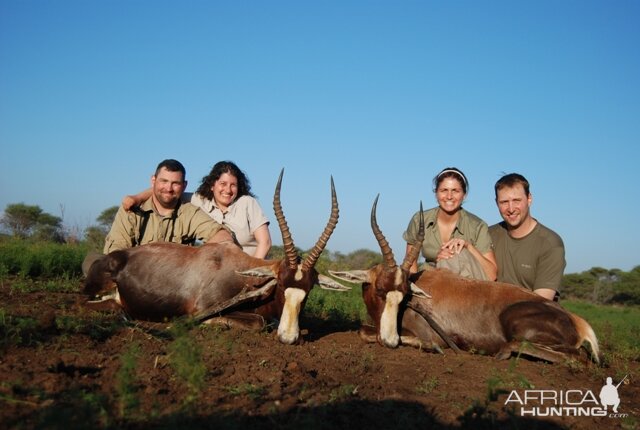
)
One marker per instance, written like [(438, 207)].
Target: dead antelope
[(216, 281), (435, 308)]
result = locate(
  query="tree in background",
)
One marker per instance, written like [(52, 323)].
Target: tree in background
[(627, 290), (96, 234), (359, 259), (603, 286), (27, 221)]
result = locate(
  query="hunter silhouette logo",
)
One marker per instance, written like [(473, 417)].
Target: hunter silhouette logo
[(577, 403), (609, 394)]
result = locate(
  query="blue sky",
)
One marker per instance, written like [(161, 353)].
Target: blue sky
[(380, 94)]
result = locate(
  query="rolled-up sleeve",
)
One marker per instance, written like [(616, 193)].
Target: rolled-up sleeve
[(122, 233)]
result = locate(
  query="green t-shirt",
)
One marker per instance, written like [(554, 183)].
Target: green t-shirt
[(534, 261), (469, 227)]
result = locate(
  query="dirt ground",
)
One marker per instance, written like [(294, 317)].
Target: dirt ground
[(63, 366)]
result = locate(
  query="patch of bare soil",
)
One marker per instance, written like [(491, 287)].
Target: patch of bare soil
[(63, 366)]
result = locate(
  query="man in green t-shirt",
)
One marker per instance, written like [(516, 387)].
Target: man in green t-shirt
[(528, 253)]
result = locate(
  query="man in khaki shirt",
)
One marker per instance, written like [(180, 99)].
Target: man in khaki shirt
[(162, 217)]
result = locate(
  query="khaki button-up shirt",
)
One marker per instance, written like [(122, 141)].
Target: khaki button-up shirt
[(185, 225), (469, 227)]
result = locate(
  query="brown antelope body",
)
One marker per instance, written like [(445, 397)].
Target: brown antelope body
[(164, 280), (436, 308)]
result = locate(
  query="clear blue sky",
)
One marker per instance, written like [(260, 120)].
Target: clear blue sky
[(379, 94)]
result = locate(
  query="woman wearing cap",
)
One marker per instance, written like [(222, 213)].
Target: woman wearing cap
[(454, 238)]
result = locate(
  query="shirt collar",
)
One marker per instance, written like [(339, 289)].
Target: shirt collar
[(432, 217), (148, 206), (213, 205)]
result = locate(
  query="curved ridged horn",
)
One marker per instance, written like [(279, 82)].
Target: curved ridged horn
[(414, 250), (311, 259), (387, 253), (287, 241)]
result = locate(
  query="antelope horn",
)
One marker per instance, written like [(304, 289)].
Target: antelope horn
[(414, 250), (287, 241), (387, 253), (311, 259)]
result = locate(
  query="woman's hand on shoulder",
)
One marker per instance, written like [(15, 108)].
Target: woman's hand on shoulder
[(128, 202)]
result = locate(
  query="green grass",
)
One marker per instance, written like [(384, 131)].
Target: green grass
[(253, 391), (185, 356), (428, 385), (343, 392), (337, 306), (61, 284), (127, 384), (18, 257), (29, 331), (16, 330), (617, 328)]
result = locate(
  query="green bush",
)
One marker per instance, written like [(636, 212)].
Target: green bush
[(338, 306), (603, 286), (41, 259)]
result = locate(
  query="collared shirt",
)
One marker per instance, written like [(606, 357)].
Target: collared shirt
[(186, 224), (243, 217), (534, 261), (469, 227)]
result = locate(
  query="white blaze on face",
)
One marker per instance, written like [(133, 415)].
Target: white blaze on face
[(399, 278), (389, 319), (115, 296), (288, 330)]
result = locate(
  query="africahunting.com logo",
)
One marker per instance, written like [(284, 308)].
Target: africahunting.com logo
[(576, 403)]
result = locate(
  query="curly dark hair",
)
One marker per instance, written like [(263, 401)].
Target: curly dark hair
[(244, 186)]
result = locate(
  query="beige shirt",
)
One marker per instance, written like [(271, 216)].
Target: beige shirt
[(185, 225), (243, 217)]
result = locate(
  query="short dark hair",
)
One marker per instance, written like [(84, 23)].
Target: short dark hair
[(221, 167), (510, 180), (173, 166)]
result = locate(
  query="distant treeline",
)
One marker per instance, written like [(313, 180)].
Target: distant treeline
[(604, 286)]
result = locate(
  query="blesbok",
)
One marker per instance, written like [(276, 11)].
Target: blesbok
[(436, 308), (215, 281)]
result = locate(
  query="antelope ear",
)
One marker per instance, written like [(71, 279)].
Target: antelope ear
[(327, 283), (259, 272), (418, 292), (351, 275)]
